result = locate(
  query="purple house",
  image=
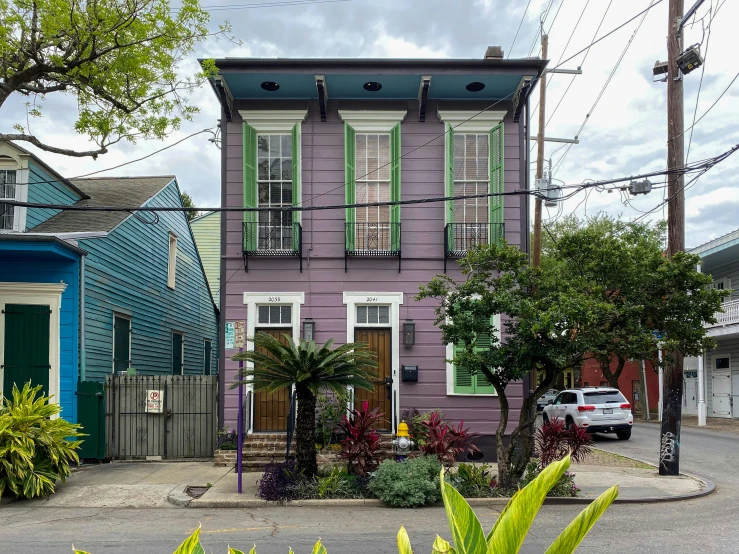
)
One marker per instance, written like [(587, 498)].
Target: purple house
[(330, 132)]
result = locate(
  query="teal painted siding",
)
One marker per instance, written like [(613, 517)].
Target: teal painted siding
[(43, 263), (126, 272), (42, 191)]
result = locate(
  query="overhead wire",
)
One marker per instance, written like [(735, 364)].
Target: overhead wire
[(700, 83), (542, 19), (523, 17)]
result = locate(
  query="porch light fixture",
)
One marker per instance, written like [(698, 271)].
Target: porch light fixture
[(309, 328), (475, 86), (372, 86), (271, 86), (409, 332)]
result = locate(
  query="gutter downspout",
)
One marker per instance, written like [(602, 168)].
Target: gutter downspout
[(83, 348)]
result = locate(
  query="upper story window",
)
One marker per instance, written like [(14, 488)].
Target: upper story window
[(172, 261), (373, 185), (7, 192), (275, 190), (471, 177)]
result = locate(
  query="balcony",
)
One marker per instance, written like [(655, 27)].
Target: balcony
[(728, 316), (374, 240), (460, 237), (272, 240)]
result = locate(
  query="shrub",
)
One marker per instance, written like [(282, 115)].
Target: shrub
[(474, 481), (361, 443), (445, 441), (408, 484), (228, 440), (553, 441), (330, 407), (35, 450), (279, 480), (415, 420), (564, 488)]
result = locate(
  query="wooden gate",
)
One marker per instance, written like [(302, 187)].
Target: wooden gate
[(270, 409), (379, 341), (160, 416)]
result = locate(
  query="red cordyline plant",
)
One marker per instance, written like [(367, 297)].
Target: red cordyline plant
[(554, 441), (445, 441), (361, 443)]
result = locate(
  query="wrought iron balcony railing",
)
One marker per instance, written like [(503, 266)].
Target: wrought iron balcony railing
[(380, 239), (272, 240), (460, 237)]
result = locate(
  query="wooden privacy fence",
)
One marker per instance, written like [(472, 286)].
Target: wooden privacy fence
[(161, 417)]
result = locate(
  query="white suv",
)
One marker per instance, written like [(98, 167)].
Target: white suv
[(598, 409)]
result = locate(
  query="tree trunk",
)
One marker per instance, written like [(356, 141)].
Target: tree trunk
[(612, 377), (305, 432), (504, 460)]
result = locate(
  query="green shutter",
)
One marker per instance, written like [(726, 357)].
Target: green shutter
[(482, 385), (395, 155), (250, 184), (496, 181), (464, 381), (449, 177), (297, 198), (349, 183)]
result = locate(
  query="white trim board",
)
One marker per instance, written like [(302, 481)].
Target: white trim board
[(394, 300), (450, 365), (42, 294), (273, 121), (372, 121), (252, 300), (470, 121)]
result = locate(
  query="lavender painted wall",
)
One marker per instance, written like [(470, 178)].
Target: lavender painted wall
[(323, 279)]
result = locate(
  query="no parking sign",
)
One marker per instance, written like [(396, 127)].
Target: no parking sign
[(154, 399)]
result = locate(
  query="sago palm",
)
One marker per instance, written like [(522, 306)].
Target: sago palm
[(311, 369)]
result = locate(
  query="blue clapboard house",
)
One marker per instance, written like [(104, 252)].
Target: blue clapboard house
[(85, 294)]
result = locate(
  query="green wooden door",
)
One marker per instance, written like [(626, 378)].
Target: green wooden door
[(26, 346), (91, 415), (177, 354), (122, 344)]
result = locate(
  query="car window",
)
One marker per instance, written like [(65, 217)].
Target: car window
[(571, 398), (559, 399), (604, 397)]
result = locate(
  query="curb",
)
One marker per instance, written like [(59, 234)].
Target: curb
[(179, 497)]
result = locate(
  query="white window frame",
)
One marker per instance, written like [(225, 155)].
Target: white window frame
[(20, 166), (282, 183), (252, 300), (394, 300), (450, 365), (275, 325), (172, 260), (42, 294), (130, 332), (476, 182)]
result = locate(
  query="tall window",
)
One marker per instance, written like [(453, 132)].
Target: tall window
[(471, 177), (373, 185), (275, 190), (172, 261), (7, 191)]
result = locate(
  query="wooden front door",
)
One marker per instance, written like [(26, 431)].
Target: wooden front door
[(26, 347), (270, 409), (379, 341)]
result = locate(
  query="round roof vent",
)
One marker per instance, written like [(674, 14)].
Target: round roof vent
[(372, 86), (475, 86), (271, 86)]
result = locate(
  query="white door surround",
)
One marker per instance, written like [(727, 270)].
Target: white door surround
[(43, 294), (393, 300), (254, 299), (721, 389)]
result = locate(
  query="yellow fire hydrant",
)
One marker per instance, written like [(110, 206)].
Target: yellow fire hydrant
[(402, 444)]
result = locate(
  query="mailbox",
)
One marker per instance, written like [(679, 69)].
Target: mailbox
[(409, 372)]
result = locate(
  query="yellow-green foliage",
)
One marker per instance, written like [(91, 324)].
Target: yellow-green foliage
[(506, 536), (35, 450)]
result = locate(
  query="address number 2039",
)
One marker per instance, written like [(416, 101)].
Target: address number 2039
[(273, 299)]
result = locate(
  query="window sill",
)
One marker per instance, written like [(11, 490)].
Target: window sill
[(493, 395)]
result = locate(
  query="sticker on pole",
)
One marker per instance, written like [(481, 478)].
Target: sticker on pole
[(229, 335), (239, 334), (154, 401)]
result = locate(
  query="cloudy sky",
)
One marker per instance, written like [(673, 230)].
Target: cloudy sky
[(624, 135)]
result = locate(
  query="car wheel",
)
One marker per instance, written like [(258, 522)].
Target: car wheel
[(568, 422), (545, 418), (624, 435)]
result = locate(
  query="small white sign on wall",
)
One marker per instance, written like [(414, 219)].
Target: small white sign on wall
[(154, 401)]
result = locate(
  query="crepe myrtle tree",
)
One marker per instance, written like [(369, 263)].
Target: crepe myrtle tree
[(546, 321), (118, 58), (276, 364)]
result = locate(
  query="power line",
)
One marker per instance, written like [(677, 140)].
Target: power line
[(540, 28), (519, 28), (709, 109), (700, 84), (552, 25)]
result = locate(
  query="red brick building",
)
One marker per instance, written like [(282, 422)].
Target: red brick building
[(628, 383)]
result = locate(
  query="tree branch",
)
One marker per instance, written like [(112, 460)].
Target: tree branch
[(36, 142)]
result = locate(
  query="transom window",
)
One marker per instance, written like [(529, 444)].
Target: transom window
[(373, 185), (274, 314), (275, 190), (373, 315), (471, 176), (7, 192)]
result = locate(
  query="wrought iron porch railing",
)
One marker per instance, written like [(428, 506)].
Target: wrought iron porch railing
[(272, 240), (460, 237), (381, 239)]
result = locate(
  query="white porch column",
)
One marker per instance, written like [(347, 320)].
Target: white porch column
[(661, 386), (701, 392)]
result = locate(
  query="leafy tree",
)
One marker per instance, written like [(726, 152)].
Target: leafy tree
[(118, 58), (311, 370), (188, 203)]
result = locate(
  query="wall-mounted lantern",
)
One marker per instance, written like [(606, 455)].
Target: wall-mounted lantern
[(309, 328), (409, 332)]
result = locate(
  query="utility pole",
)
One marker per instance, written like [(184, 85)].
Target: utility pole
[(669, 457), (536, 254)]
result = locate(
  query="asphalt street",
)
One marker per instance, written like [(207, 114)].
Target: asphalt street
[(709, 524)]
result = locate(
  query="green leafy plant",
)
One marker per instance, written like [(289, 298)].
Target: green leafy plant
[(474, 481), (408, 484), (331, 407), (35, 450), (283, 363), (564, 488), (514, 522)]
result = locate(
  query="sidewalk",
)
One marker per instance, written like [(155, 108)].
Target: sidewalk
[(722, 424)]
